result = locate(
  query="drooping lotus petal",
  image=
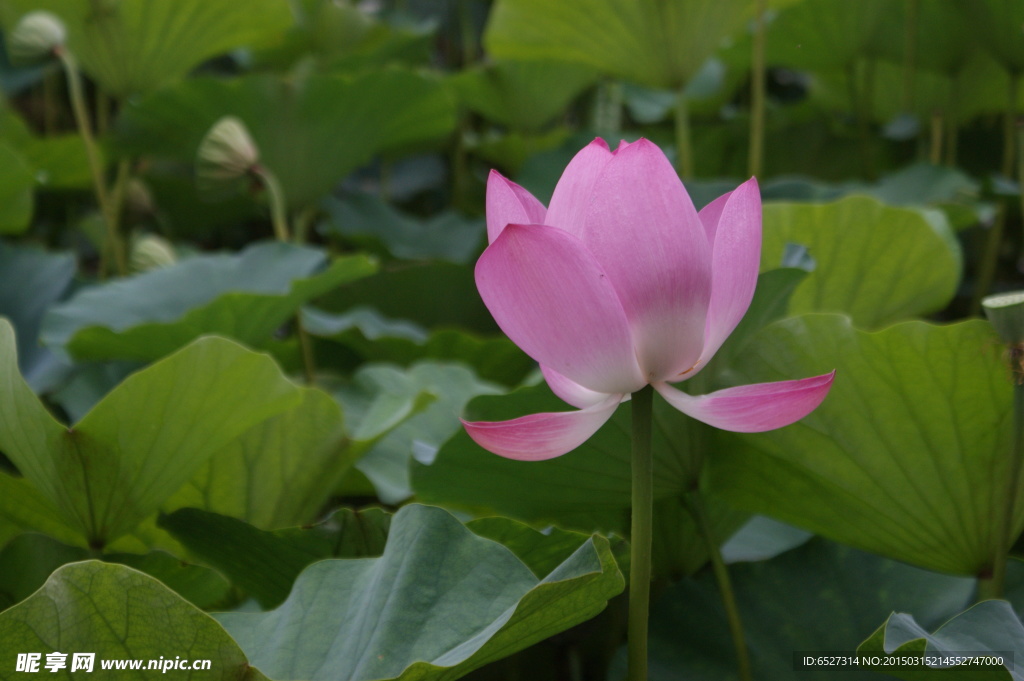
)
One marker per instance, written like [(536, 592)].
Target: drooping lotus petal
[(752, 408), (735, 260), (569, 391), (643, 229), (509, 203), (550, 296), (542, 436), (571, 197)]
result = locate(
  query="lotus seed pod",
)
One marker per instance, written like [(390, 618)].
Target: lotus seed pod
[(36, 36), (151, 252), (1006, 312), (227, 154)]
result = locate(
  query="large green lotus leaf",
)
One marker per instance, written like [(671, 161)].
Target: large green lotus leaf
[(23, 508), (135, 46), (996, 25), (28, 560), (821, 34), (344, 37), (246, 296), (117, 613), (266, 564), (819, 599), (280, 471), (877, 263), (376, 338), (30, 281), (311, 131), (56, 161), (363, 217), (662, 44), (523, 95), (906, 457), (386, 462), (440, 602), (988, 629), (16, 186), (412, 292), (145, 439), (940, 43)]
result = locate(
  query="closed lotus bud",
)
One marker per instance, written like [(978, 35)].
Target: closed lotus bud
[(137, 198), (36, 36), (227, 154), (151, 252)]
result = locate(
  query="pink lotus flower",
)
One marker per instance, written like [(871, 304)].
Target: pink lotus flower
[(619, 284)]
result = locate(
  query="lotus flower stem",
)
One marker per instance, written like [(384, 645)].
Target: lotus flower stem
[(757, 94), (695, 504), (1006, 312), (640, 533), (279, 219), (278, 205), (910, 53), (935, 142), (77, 96), (684, 148)]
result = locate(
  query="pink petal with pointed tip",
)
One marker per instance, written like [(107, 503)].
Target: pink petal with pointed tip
[(735, 260), (551, 297), (507, 202), (541, 436), (569, 391), (752, 408), (710, 215), (643, 229), (572, 194)]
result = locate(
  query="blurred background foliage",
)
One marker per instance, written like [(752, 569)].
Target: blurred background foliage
[(888, 140)]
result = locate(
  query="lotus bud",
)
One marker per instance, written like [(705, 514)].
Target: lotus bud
[(36, 36), (138, 200), (227, 154), (151, 252), (1006, 312)]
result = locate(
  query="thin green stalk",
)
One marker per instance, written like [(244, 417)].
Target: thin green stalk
[(303, 223), (640, 533), (279, 219), (994, 586), (989, 260), (278, 204), (684, 149), (858, 104), (951, 120), (50, 105), (77, 96), (695, 504), (1009, 125), (910, 53), (935, 144), (757, 94)]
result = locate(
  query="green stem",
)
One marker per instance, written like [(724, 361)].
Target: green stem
[(695, 503), (77, 96), (1006, 533), (935, 144), (640, 533), (278, 204), (50, 106), (1009, 125), (684, 150), (858, 104), (279, 219), (910, 53), (757, 94), (607, 113), (989, 260), (303, 223)]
